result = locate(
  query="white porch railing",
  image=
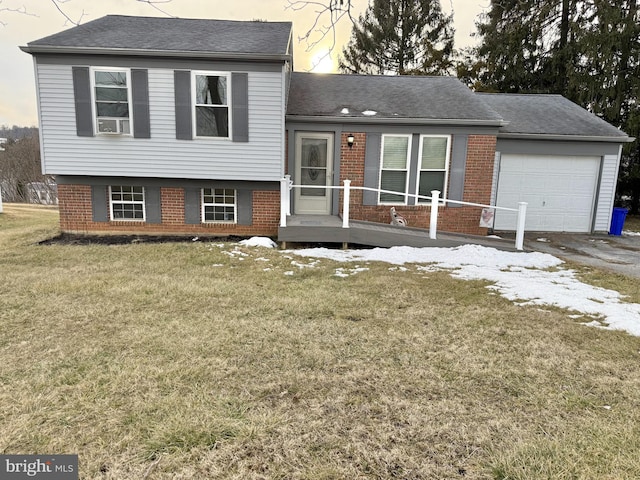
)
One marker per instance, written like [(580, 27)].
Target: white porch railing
[(286, 185)]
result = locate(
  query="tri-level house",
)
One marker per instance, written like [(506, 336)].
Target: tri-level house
[(185, 126)]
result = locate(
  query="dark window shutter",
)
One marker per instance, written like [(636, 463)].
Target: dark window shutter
[(82, 97), (140, 97), (99, 203), (240, 106), (244, 207), (152, 204), (371, 167), (182, 93), (457, 169), (192, 206), (414, 163)]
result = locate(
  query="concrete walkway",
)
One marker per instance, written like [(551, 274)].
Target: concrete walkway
[(619, 254)]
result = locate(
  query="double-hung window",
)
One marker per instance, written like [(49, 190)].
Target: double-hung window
[(433, 162), (219, 205), (394, 168), (211, 104), (112, 100), (127, 203)]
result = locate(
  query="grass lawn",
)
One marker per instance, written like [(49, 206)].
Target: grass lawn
[(632, 223), (196, 360)]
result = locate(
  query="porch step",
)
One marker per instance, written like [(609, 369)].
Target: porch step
[(328, 229)]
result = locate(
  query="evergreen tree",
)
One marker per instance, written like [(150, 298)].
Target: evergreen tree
[(609, 75), (526, 46), (586, 50), (403, 37)]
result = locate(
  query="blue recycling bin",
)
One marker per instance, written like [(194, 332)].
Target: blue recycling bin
[(617, 221)]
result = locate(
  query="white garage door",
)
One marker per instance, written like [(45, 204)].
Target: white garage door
[(559, 190)]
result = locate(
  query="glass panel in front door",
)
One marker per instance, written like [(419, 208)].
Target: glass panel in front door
[(313, 166)]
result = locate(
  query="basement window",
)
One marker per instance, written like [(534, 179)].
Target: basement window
[(219, 205), (127, 203)]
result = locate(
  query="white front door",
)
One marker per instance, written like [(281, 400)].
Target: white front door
[(314, 167)]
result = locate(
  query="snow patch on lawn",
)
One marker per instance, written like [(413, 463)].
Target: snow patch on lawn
[(305, 265), (258, 242), (526, 278), (346, 272)]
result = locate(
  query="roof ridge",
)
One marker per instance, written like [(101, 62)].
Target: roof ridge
[(336, 74), (520, 94), (151, 17), (387, 98), (113, 34)]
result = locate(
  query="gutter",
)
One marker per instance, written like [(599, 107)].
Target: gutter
[(48, 49), (576, 138), (395, 120)]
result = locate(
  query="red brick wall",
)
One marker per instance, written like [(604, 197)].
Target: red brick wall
[(172, 206), (477, 189), (76, 216), (266, 211), (74, 204), (352, 168), (478, 180)]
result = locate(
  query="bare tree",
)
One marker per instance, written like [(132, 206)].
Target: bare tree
[(59, 4), (328, 14), (22, 10), (61, 7), (21, 175)]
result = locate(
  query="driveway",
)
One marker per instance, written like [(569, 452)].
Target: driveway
[(620, 254)]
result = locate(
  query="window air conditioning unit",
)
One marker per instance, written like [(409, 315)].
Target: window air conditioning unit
[(116, 126)]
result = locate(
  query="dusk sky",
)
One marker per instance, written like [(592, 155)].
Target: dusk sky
[(40, 18)]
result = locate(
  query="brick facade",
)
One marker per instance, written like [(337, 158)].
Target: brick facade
[(76, 216), (76, 209), (464, 219)]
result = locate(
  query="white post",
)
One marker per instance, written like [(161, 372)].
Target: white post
[(289, 185), (284, 200), (433, 223), (345, 203), (522, 213)]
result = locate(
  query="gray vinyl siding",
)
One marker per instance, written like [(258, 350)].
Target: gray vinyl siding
[(162, 156), (546, 147), (606, 194)]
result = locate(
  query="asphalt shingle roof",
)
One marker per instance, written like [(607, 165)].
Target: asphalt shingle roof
[(543, 114), (392, 97), (362, 97), (175, 34)]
